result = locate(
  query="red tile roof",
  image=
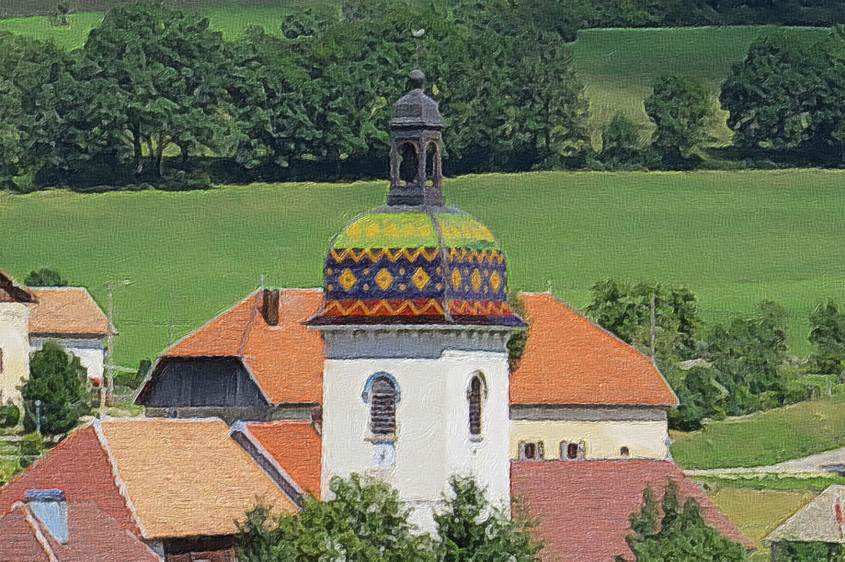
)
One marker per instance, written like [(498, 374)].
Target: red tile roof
[(583, 507), (285, 360), (92, 535), (296, 447), (66, 311), (81, 468), (568, 360)]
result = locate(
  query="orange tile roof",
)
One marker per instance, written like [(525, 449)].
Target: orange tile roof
[(296, 447), (568, 360), (285, 360), (66, 311), (186, 477)]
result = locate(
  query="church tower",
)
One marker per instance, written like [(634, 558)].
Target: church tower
[(415, 322)]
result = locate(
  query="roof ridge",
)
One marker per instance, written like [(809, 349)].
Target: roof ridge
[(250, 324), (118, 480), (42, 540)]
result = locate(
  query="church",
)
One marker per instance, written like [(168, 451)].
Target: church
[(404, 366)]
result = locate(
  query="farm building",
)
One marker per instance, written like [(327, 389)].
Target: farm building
[(819, 525), (31, 316)]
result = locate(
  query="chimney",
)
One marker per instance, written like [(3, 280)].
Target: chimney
[(270, 306), (50, 508)]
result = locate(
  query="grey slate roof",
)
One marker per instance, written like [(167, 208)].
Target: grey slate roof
[(816, 521)]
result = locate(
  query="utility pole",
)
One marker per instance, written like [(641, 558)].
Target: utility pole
[(653, 337), (107, 387)]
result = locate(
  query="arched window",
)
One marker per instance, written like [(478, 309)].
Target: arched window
[(382, 394), (432, 164), (531, 451), (625, 452), (409, 164), (474, 396)]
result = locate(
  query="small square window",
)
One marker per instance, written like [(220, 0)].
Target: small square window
[(531, 451)]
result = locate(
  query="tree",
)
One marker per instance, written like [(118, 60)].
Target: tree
[(827, 334), (57, 379), (45, 277), (626, 310), (809, 552), (11, 133), (773, 94), (470, 529), (682, 110), (169, 72), (363, 521), (681, 535), (700, 394), (622, 145), (748, 354)]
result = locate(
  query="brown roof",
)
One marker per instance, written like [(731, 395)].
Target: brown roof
[(92, 535), (286, 361), (186, 477), (583, 507), (10, 291), (295, 446), (66, 311), (568, 360)]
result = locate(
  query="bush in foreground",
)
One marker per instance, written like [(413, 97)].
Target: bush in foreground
[(57, 379)]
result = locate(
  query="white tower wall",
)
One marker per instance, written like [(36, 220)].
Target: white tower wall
[(433, 440)]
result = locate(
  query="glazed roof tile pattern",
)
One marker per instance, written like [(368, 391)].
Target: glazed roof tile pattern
[(583, 507), (66, 311), (187, 477), (242, 332), (296, 447), (568, 360), (402, 265)]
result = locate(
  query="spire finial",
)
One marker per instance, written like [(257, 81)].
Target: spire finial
[(417, 79)]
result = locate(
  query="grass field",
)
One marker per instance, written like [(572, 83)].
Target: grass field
[(766, 438), (734, 237), (617, 66), (758, 512)]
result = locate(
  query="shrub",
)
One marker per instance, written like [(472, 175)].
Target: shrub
[(10, 415), (31, 447), (45, 277), (57, 379)]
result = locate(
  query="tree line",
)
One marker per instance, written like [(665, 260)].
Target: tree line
[(722, 369), (155, 87)]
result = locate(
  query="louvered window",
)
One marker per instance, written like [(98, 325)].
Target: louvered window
[(474, 397), (383, 408)]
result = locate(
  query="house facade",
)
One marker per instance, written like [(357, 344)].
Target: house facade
[(29, 317)]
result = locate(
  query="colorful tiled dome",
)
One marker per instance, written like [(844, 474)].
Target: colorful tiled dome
[(416, 265), (415, 261)]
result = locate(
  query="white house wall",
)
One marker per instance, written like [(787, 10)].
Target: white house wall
[(14, 342), (604, 431), (91, 353)]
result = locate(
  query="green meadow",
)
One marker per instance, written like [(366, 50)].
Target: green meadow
[(765, 438), (735, 238), (617, 66)]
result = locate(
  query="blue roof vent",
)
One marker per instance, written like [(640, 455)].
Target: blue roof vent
[(50, 507)]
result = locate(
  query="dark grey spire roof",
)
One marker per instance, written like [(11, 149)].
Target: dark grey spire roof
[(415, 109)]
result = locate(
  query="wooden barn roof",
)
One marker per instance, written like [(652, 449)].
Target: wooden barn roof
[(286, 360)]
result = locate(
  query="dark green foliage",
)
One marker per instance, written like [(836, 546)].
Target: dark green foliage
[(31, 447), (701, 395), (10, 415), (470, 529), (45, 277), (748, 355), (622, 145), (681, 535), (625, 310), (827, 334), (809, 552), (682, 110), (364, 521), (58, 380)]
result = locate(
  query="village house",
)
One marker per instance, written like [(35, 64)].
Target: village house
[(819, 524), (398, 367), (31, 316)]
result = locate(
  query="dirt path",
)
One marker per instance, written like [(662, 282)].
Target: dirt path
[(827, 463)]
